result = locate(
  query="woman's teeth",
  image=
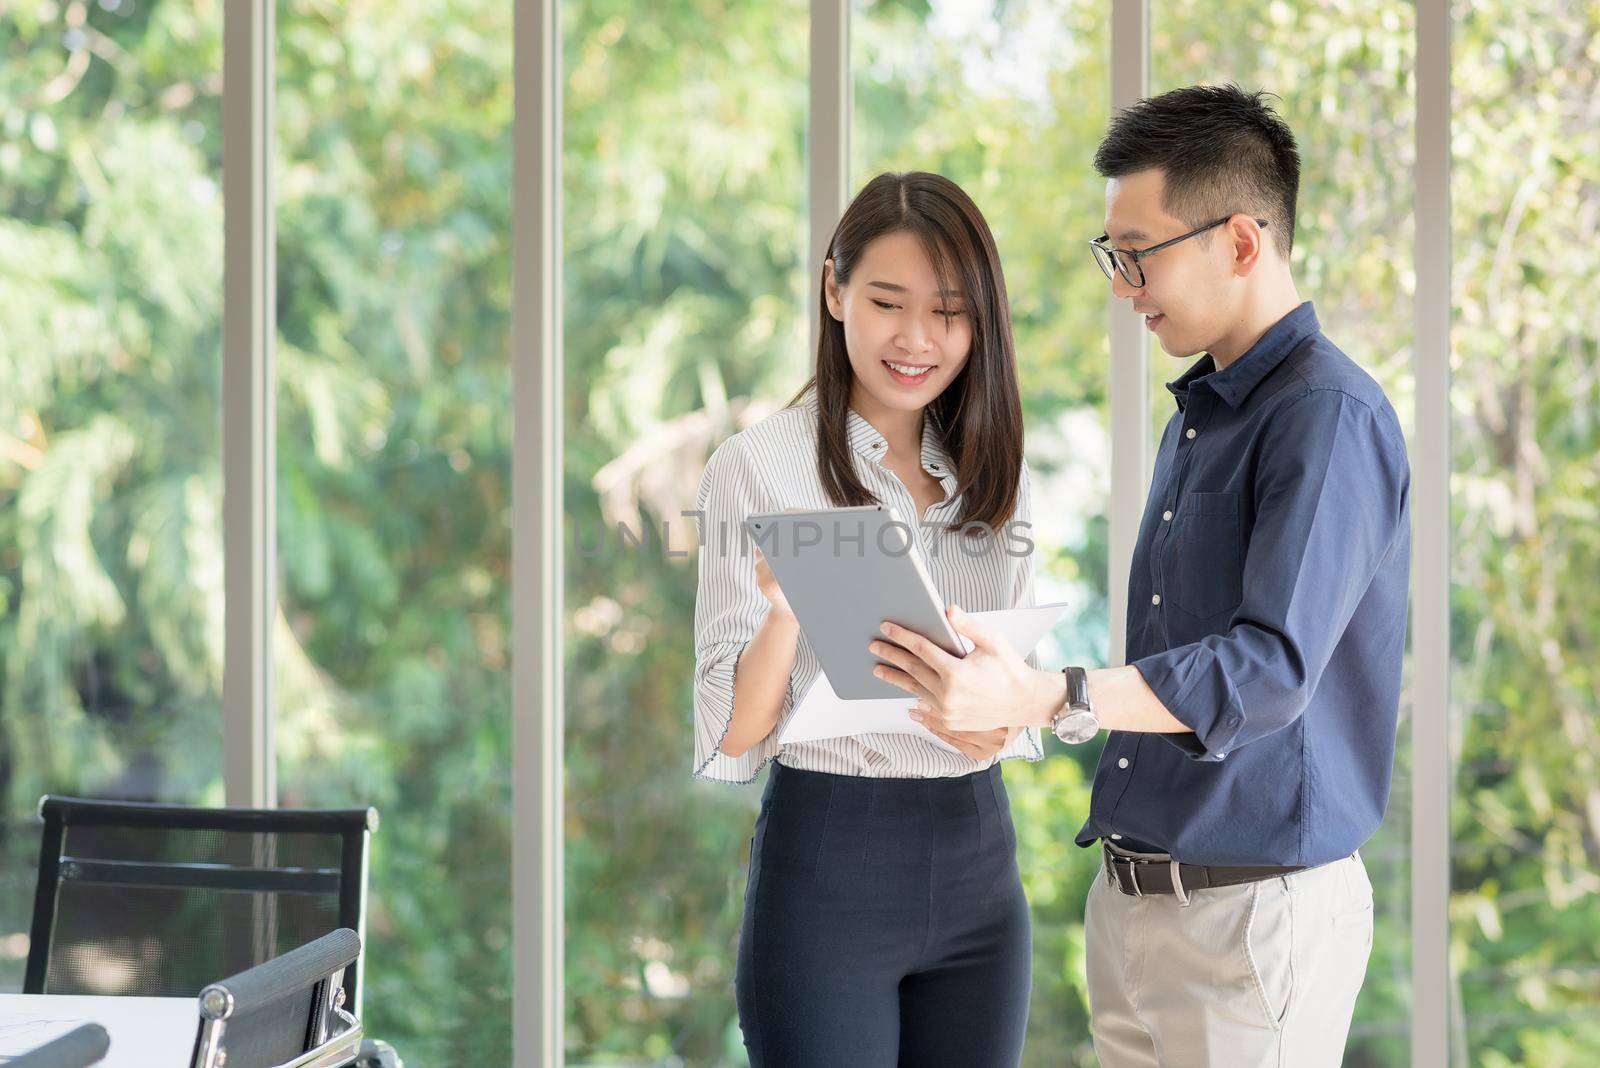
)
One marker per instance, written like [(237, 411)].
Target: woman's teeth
[(908, 371)]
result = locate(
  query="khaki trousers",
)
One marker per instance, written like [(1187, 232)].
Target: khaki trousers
[(1263, 974)]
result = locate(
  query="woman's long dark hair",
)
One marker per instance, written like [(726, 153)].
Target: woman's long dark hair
[(980, 413)]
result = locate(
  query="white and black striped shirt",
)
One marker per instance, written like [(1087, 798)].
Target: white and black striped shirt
[(772, 466)]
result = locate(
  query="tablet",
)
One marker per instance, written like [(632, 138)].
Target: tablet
[(844, 571)]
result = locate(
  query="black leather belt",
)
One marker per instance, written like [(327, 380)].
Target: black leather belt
[(1136, 877)]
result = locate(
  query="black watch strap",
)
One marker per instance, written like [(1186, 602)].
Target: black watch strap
[(1077, 688)]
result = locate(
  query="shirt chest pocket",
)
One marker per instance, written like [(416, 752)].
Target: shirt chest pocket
[(1205, 567)]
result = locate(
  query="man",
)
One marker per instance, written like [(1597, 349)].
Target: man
[(1253, 729)]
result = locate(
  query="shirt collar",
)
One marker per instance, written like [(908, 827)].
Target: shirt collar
[(865, 439), (1236, 381)]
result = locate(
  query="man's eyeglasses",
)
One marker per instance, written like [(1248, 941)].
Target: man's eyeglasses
[(1125, 261)]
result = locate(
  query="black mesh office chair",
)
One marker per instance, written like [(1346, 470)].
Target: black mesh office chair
[(79, 1048), (159, 900), (287, 1012)]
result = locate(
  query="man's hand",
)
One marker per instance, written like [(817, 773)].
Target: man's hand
[(990, 688), (979, 745)]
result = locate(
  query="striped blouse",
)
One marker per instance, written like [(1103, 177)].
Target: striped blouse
[(772, 466)]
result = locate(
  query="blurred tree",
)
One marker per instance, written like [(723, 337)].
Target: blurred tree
[(1525, 628), (110, 487)]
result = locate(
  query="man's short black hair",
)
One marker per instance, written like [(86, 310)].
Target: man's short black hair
[(1222, 150)]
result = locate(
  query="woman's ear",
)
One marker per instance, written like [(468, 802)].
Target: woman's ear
[(830, 290)]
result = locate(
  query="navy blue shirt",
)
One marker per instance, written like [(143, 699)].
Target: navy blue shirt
[(1267, 610)]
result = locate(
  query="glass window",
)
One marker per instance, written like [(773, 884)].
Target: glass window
[(687, 306), (1343, 78), (110, 450), (1525, 688), (394, 435)]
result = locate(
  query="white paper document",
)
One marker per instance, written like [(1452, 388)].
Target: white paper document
[(821, 713)]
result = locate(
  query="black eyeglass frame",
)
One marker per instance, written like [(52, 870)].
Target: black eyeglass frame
[(1107, 256)]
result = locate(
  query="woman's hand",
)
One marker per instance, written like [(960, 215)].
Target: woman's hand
[(770, 588), (979, 745), (761, 678)]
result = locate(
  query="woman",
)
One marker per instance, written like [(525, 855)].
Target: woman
[(884, 919)]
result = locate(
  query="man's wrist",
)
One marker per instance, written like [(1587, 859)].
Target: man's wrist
[(1049, 697)]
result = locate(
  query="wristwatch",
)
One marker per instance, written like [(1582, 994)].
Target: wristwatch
[(1076, 722)]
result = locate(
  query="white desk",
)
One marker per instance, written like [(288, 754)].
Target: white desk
[(145, 1032)]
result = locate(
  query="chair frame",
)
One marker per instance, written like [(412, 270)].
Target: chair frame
[(321, 964), (354, 827)]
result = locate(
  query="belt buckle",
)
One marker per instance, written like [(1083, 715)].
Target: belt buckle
[(1132, 863)]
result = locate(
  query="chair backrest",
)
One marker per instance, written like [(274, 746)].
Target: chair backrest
[(287, 1011), (158, 900), (79, 1048)]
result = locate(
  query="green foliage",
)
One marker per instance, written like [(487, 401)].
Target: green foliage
[(1525, 910), (110, 498)]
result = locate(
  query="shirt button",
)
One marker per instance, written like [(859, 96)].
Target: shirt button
[(1155, 599), (1122, 763), (1190, 434), (1116, 838), (1166, 516)]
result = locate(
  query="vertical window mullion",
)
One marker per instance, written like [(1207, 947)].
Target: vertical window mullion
[(1430, 637), (828, 136), (249, 455), (536, 554), (1130, 360)]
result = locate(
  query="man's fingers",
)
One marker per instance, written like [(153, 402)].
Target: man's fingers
[(966, 746), (896, 677), (937, 720), (968, 627), (981, 635), (911, 665), (919, 647), (984, 739), (979, 745)]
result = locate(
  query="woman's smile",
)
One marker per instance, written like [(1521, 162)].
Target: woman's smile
[(908, 374)]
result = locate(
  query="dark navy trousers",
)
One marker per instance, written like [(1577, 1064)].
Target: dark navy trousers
[(884, 924)]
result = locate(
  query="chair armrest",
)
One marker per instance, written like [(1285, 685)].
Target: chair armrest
[(83, 1045), (280, 977)]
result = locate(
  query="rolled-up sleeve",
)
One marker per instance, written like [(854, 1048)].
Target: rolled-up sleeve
[(1330, 486), (728, 610)]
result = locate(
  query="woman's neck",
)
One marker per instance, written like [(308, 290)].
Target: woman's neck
[(900, 428)]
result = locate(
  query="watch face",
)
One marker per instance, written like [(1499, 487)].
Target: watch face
[(1077, 728)]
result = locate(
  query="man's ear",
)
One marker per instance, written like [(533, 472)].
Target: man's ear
[(1249, 243), (830, 291)]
